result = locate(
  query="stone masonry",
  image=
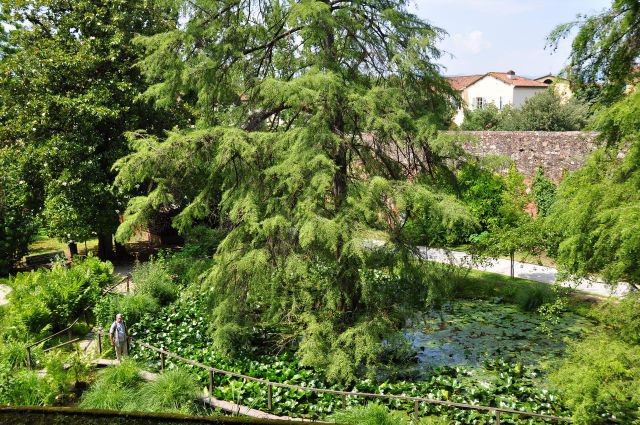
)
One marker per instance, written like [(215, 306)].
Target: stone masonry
[(557, 152)]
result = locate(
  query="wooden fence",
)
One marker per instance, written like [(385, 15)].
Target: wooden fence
[(497, 411)]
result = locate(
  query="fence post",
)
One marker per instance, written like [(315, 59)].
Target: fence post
[(269, 397), (162, 361), (210, 383), (100, 341), (29, 358), (344, 401), (416, 410), (497, 417), (128, 279)]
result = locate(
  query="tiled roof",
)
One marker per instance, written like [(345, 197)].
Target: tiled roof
[(463, 81), (517, 80)]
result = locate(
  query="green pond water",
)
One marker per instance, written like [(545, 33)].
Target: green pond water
[(468, 332)]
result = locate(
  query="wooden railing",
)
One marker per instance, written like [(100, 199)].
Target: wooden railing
[(84, 313), (497, 411)]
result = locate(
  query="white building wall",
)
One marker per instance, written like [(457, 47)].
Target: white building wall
[(490, 88), (520, 94)]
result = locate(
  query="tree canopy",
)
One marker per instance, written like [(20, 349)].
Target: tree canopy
[(606, 47), (309, 117), (68, 92)]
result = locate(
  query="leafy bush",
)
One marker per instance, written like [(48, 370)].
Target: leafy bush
[(153, 279), (531, 297), (545, 111), (24, 388), (114, 388), (173, 391), (544, 192), (599, 380), (623, 317), (373, 414), (132, 307), (48, 300)]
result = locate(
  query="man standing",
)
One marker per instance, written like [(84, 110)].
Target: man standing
[(118, 337)]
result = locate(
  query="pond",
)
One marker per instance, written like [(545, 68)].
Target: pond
[(469, 332)]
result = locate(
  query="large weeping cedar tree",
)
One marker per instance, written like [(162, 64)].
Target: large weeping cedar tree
[(303, 111), (68, 92), (596, 216)]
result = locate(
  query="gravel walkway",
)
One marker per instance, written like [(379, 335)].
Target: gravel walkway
[(522, 270), (4, 291)]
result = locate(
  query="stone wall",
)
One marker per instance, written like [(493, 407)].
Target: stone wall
[(556, 152)]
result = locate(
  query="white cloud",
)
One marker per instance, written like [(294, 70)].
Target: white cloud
[(472, 42)]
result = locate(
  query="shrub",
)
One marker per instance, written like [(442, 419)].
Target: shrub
[(25, 388), (623, 317), (173, 391), (153, 279), (48, 300), (114, 388), (531, 297), (132, 307), (544, 192), (373, 414), (599, 380)]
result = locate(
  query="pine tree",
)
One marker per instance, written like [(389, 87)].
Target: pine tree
[(305, 111)]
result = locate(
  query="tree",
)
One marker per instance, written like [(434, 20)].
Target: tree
[(594, 220), (606, 47), (303, 111), (17, 222), (545, 111), (69, 91)]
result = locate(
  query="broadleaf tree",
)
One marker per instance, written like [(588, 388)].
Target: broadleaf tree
[(68, 92), (310, 115)]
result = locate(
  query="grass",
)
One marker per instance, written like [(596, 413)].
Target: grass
[(44, 243), (486, 285)]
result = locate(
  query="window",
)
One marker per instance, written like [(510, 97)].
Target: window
[(479, 102)]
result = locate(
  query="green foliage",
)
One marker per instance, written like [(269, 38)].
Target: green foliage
[(25, 388), (479, 119), (277, 158), (372, 414), (132, 307), (121, 388), (17, 223), (531, 298), (545, 111), (599, 380), (605, 47), (114, 388), (544, 192), (483, 192), (69, 91), (596, 216), (623, 318), (173, 391), (179, 328), (48, 300), (152, 278)]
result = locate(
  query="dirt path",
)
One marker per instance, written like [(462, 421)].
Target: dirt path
[(4, 291)]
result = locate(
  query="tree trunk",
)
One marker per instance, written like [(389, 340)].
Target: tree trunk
[(105, 246)]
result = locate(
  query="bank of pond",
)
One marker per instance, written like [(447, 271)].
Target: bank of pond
[(508, 344)]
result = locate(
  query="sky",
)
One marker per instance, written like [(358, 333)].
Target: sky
[(502, 35)]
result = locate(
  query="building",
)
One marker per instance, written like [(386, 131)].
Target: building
[(497, 88), (560, 85)]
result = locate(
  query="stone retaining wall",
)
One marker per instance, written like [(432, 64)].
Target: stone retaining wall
[(556, 152)]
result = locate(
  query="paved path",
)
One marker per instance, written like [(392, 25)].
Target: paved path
[(522, 270), (4, 291)]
